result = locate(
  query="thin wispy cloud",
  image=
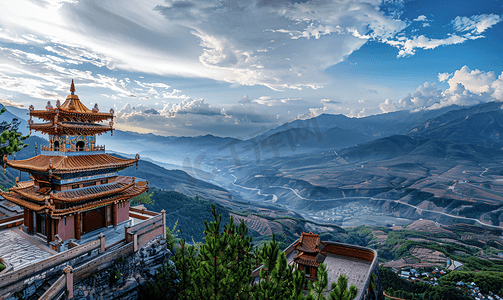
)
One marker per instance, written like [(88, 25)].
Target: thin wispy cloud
[(187, 64), (476, 24)]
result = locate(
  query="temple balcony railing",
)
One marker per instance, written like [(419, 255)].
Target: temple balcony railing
[(72, 151), (73, 148)]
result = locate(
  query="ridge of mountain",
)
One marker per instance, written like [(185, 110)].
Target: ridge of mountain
[(400, 145), (374, 125), (177, 180), (8, 116), (480, 125)]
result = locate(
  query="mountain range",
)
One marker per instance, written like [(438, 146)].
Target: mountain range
[(440, 161)]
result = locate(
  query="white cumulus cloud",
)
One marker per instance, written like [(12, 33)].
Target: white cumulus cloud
[(444, 76), (466, 87), (387, 106), (191, 106), (475, 81)]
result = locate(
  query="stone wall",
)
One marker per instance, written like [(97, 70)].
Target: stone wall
[(24, 282), (124, 279)]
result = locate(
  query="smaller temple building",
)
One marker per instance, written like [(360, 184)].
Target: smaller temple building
[(358, 263), (309, 254), (75, 186)]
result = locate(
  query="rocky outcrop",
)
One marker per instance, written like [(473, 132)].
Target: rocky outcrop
[(124, 279)]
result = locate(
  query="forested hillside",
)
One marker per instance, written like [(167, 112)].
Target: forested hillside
[(189, 212)]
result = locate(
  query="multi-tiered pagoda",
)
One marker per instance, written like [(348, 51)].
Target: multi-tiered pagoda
[(75, 187)]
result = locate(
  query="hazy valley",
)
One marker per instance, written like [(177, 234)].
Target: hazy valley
[(444, 165)]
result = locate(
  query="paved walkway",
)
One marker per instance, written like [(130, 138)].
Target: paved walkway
[(19, 249), (356, 270), (112, 234)]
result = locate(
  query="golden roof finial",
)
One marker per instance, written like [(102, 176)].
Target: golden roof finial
[(72, 88)]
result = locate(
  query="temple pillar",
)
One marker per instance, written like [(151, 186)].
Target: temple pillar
[(28, 220), (31, 222), (26, 214), (46, 222), (77, 226), (48, 228), (114, 214)]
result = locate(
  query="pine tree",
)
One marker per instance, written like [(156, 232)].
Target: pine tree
[(11, 141), (317, 288), (222, 270), (289, 280), (184, 258), (268, 254), (299, 282), (340, 291), (278, 280)]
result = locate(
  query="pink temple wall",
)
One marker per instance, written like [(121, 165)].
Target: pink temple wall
[(66, 231), (122, 211)]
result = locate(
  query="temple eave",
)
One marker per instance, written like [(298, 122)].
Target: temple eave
[(128, 193), (86, 194), (70, 129), (15, 198), (69, 164), (133, 192), (49, 114)]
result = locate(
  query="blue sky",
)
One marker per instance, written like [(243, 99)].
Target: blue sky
[(234, 68)]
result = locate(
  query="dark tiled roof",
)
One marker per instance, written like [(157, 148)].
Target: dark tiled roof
[(309, 242), (320, 257), (307, 260)]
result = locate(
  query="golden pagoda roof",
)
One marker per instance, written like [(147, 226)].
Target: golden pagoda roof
[(73, 103), (35, 193), (69, 164), (63, 115), (125, 194), (71, 128), (72, 110)]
